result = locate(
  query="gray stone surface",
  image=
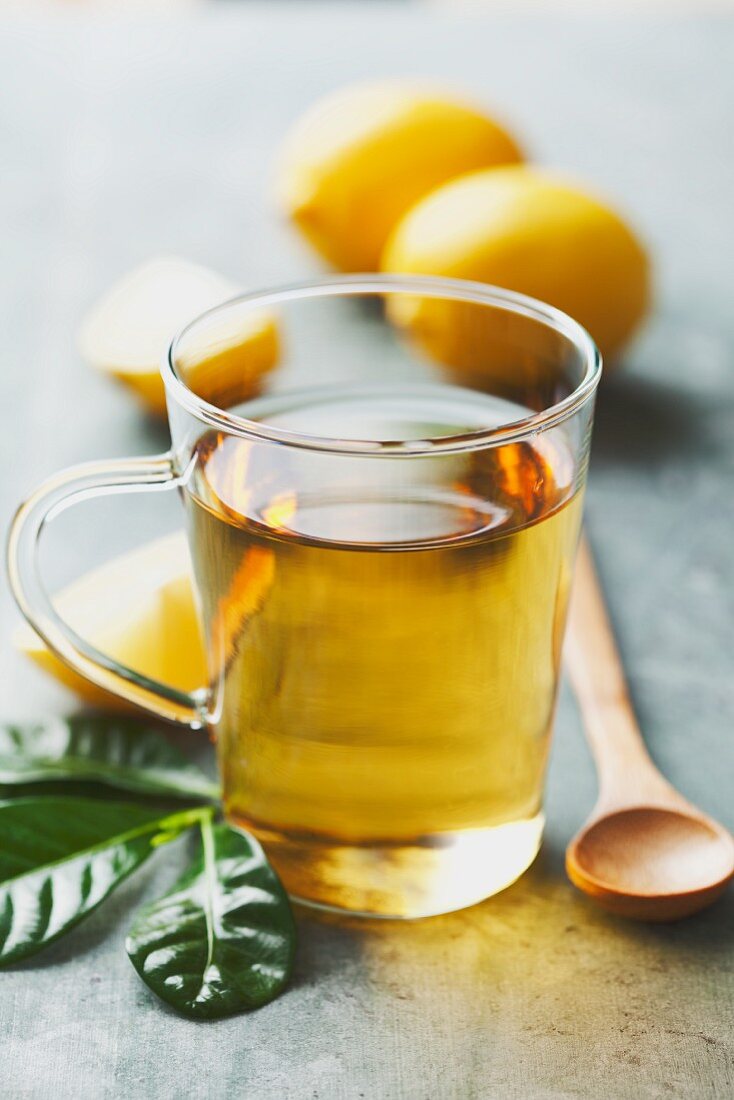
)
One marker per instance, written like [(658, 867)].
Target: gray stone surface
[(122, 140)]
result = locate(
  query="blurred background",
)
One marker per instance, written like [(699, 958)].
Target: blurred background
[(173, 5)]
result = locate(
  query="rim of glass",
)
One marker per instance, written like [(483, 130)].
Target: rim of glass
[(353, 286)]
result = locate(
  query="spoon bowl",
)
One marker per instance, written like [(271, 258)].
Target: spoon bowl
[(645, 852), (652, 863)]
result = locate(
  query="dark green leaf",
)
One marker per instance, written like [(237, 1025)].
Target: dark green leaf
[(222, 940), (61, 857), (118, 751)]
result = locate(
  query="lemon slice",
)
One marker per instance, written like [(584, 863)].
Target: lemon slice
[(139, 609), (126, 334)]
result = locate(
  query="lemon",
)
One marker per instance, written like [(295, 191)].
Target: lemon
[(126, 334), (359, 159), (526, 230), (139, 609)]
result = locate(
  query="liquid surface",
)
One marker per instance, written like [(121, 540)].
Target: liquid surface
[(384, 640)]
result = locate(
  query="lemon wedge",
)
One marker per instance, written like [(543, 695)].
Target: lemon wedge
[(126, 334), (139, 609)]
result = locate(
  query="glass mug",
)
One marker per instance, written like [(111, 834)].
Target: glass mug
[(382, 521)]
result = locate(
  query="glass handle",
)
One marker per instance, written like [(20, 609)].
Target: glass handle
[(93, 479)]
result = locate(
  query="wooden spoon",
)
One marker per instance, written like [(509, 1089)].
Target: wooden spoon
[(645, 852)]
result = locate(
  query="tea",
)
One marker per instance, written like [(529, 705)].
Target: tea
[(384, 647)]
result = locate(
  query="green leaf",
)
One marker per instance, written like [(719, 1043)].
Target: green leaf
[(61, 857), (222, 940), (117, 751)]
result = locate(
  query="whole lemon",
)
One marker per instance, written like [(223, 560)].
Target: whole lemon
[(359, 159), (527, 230)]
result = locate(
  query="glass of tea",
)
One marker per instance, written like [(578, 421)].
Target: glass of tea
[(382, 520)]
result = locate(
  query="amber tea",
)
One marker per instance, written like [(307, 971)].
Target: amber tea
[(382, 527), (384, 645)]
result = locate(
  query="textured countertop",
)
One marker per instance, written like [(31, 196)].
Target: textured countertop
[(122, 140)]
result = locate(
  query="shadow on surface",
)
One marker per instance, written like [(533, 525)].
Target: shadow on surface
[(156, 432), (638, 420), (712, 929)]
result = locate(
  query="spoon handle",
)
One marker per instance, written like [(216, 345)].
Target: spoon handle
[(625, 770)]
